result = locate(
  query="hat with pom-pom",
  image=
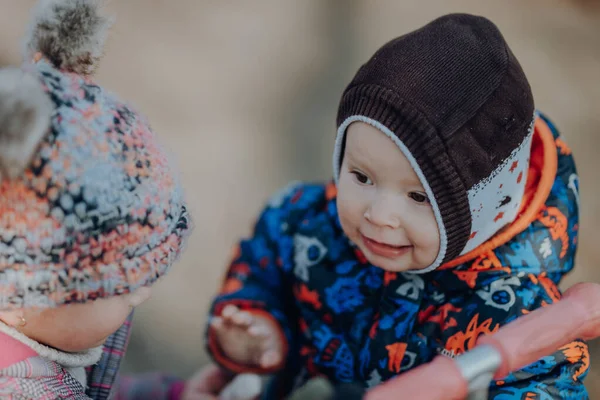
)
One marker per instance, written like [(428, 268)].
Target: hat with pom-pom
[(89, 205)]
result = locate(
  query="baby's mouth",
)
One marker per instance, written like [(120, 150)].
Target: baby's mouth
[(384, 249)]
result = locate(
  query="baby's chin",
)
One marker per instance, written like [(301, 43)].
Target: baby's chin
[(98, 343), (403, 264), (394, 268), (389, 265), (76, 346), (78, 338)]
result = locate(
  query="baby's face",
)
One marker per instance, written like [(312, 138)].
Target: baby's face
[(382, 205), (77, 327)]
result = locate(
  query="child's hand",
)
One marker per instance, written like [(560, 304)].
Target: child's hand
[(247, 338), (212, 383), (206, 384)]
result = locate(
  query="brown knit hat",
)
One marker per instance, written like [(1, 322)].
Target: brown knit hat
[(455, 100)]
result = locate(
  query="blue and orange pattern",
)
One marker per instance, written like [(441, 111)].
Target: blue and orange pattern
[(353, 322)]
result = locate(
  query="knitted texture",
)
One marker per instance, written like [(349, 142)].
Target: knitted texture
[(98, 212)]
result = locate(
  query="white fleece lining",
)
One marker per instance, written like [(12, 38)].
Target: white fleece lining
[(337, 153)]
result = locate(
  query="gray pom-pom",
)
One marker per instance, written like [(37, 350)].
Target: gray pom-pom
[(69, 33), (25, 111)]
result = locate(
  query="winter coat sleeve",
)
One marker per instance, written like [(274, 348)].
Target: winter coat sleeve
[(557, 376), (257, 277)]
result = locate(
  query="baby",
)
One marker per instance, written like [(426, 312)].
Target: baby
[(91, 215), (454, 210)]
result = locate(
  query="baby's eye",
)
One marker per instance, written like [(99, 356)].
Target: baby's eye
[(362, 178), (419, 197)]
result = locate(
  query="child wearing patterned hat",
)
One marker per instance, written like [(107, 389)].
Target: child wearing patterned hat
[(454, 210), (91, 215)]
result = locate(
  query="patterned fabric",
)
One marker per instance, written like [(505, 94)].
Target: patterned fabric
[(104, 383), (98, 213), (101, 377), (353, 322), (496, 200), (37, 378)]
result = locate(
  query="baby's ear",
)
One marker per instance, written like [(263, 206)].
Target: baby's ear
[(25, 111)]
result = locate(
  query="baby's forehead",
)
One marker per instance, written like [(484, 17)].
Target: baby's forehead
[(372, 149)]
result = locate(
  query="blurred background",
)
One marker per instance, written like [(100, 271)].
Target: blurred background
[(244, 96)]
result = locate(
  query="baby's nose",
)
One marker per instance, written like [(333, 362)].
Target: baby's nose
[(383, 214)]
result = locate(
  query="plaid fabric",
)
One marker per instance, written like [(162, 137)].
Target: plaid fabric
[(102, 376), (39, 379), (103, 382)]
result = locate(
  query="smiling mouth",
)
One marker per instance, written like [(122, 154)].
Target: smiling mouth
[(384, 249)]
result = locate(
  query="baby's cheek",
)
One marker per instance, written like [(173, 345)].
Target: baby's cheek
[(345, 217), (93, 333), (348, 209), (109, 317), (428, 247), (83, 326)]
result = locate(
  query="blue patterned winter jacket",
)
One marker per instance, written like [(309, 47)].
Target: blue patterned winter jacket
[(353, 322)]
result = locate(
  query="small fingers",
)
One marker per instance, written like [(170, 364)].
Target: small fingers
[(242, 319), (270, 358), (229, 311), (233, 315), (259, 331), (216, 323), (207, 382)]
